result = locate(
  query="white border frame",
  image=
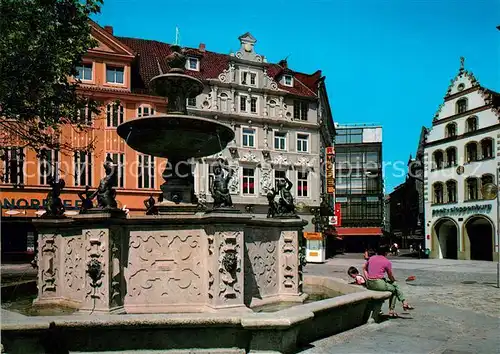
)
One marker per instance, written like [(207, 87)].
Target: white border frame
[(287, 137), (256, 137), (255, 177), (308, 142)]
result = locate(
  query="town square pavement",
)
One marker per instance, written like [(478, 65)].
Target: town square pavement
[(457, 310)]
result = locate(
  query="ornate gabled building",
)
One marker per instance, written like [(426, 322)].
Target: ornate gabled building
[(461, 159), (281, 117), (282, 120)]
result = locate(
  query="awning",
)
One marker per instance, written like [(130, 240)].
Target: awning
[(359, 231)]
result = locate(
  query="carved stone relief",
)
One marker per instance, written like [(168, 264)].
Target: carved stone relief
[(164, 264), (227, 74), (73, 266), (49, 259), (116, 269), (270, 83), (234, 183), (96, 261), (280, 160), (249, 157), (289, 259), (229, 265), (263, 259), (266, 180)]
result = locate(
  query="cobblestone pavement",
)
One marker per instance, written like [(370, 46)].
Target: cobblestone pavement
[(457, 310)]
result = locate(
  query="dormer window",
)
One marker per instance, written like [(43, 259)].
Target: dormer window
[(193, 64), (288, 80), (248, 78), (114, 74), (145, 110)]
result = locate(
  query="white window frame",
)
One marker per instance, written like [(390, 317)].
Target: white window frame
[(87, 120), (255, 181), (256, 105), (188, 62), (291, 80), (308, 142), (247, 104), (274, 140), (140, 110), (254, 137), (116, 67), (141, 169), (77, 168), (190, 105), (110, 110), (91, 72), (21, 164), (249, 75), (120, 167), (308, 181), (43, 177)]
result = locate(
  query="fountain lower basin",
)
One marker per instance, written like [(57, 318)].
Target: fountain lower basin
[(278, 332)]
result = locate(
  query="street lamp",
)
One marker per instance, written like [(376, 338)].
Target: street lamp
[(490, 192)]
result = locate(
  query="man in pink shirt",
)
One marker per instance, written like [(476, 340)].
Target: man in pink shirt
[(374, 270)]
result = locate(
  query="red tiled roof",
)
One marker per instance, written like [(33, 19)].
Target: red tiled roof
[(359, 231), (151, 55)]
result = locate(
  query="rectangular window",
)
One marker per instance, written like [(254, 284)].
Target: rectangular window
[(248, 181), (248, 137), (146, 171), (279, 140), (83, 168), (114, 115), (193, 64), (302, 184), (244, 77), (119, 161), (300, 109), (84, 72), (356, 136), (83, 116), (191, 102), (279, 175), (288, 80), (253, 105), (253, 79), (248, 78), (48, 165), (341, 137), (144, 111), (243, 103), (114, 74), (302, 142), (13, 165)]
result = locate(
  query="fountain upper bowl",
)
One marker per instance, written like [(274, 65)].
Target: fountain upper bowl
[(176, 136)]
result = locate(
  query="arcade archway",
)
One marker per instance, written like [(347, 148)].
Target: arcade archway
[(446, 234), (479, 238)]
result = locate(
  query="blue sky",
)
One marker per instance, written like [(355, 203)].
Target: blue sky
[(386, 62)]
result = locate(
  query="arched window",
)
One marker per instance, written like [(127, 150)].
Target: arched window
[(487, 148), (145, 110), (472, 188), (471, 152), (438, 159), (451, 156), (438, 193), (451, 191), (461, 105), (272, 108), (451, 130), (471, 124), (223, 102)]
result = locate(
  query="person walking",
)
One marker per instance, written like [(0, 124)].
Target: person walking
[(375, 270)]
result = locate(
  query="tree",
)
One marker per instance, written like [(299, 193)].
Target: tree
[(41, 44)]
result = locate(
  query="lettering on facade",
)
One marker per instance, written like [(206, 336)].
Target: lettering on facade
[(330, 179), (471, 209), (37, 204)]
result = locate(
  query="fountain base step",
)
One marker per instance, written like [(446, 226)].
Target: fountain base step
[(169, 208), (223, 210)]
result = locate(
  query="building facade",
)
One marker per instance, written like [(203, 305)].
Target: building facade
[(281, 117), (406, 202), (359, 184), (462, 153)]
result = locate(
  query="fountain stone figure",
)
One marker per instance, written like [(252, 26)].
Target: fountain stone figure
[(175, 135), (219, 188)]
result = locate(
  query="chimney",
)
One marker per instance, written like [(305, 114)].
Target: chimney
[(283, 63), (201, 47), (109, 29)]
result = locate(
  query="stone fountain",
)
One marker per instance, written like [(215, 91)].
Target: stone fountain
[(132, 279), (184, 259)]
